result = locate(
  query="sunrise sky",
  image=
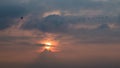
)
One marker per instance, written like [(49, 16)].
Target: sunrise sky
[(59, 33)]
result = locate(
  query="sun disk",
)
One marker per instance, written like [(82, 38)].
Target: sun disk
[(48, 43)]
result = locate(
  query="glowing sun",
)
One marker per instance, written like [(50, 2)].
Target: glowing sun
[(48, 43)]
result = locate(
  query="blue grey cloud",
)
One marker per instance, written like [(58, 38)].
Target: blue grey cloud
[(15, 9)]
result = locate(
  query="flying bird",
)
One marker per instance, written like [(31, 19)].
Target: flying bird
[(21, 17)]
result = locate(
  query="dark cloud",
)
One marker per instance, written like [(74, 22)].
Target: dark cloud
[(3, 24), (15, 9), (10, 11), (52, 23)]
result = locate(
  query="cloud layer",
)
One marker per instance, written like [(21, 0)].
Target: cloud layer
[(88, 32)]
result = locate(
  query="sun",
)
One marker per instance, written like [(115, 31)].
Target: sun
[(48, 43), (50, 46)]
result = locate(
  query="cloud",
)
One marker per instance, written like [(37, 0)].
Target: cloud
[(86, 31), (15, 9), (56, 12), (10, 11), (101, 0), (51, 23)]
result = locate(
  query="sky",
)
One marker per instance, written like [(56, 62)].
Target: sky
[(81, 34)]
